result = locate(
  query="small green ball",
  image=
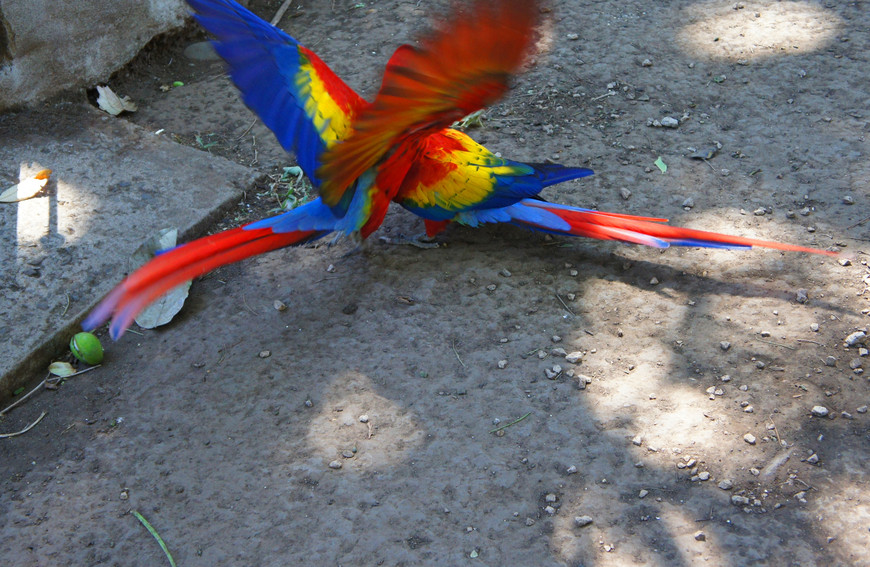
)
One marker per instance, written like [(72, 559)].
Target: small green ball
[(87, 348)]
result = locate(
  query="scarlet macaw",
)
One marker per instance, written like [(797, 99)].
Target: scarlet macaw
[(400, 148)]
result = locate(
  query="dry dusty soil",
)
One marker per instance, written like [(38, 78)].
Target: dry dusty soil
[(684, 432)]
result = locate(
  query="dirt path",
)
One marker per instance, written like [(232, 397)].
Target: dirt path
[(220, 429)]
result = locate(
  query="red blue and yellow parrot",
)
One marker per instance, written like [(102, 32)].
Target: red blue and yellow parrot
[(399, 148)]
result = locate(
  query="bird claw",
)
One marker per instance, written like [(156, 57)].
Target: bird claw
[(419, 241)]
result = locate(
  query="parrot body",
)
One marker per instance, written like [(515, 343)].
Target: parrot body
[(399, 148)]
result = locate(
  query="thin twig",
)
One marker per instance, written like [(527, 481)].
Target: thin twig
[(251, 309), (457, 355), (775, 430), (25, 430), (156, 536), (708, 518), (810, 341), (514, 422), (857, 223), (776, 344), (568, 309), (280, 13), (20, 400), (605, 95), (65, 309), (248, 129)]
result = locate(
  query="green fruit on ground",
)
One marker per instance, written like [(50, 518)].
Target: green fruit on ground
[(87, 348)]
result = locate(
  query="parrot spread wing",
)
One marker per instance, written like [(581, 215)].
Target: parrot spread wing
[(461, 66), (290, 88)]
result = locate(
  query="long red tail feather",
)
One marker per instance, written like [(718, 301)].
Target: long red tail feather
[(639, 230), (181, 264)]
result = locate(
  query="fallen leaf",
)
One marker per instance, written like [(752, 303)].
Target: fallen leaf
[(166, 307), (26, 189), (660, 163), (112, 103), (62, 369)]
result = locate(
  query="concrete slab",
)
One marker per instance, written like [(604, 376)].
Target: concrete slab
[(113, 185)]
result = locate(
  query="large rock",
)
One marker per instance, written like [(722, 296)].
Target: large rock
[(47, 46)]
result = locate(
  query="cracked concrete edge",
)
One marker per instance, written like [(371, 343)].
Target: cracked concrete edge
[(34, 366)]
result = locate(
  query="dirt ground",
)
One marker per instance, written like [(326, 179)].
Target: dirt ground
[(400, 363)]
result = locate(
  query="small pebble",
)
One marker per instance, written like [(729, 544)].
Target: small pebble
[(749, 438), (801, 296), (748, 409), (549, 510), (726, 378), (581, 521), (669, 122), (574, 357), (688, 203), (700, 536), (819, 411), (654, 281), (571, 470), (855, 338), (491, 287), (309, 403), (725, 345), (125, 494), (573, 273), (739, 500), (646, 63), (814, 327), (573, 36), (759, 212), (554, 372), (279, 305), (347, 454), (754, 471), (704, 475), (625, 193), (530, 522), (550, 498), (638, 440), (556, 339), (726, 485), (502, 364), (335, 464), (558, 351), (265, 354), (844, 261), (364, 418), (862, 409), (831, 361), (855, 363), (643, 493), (848, 200), (846, 415), (813, 459), (505, 273)]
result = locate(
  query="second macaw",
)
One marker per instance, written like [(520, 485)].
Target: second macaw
[(399, 148)]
